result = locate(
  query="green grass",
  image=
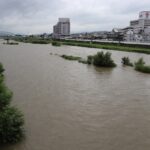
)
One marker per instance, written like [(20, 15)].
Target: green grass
[(33, 40), (108, 46)]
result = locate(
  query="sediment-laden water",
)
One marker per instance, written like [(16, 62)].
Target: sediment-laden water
[(73, 106)]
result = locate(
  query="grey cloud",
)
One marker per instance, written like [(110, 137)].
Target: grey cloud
[(36, 16)]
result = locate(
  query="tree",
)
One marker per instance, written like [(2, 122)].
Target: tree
[(11, 119), (7, 39), (1, 68), (102, 59), (126, 61), (11, 125)]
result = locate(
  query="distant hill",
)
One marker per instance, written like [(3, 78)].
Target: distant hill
[(3, 33)]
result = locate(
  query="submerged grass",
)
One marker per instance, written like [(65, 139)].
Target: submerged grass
[(11, 43), (56, 43), (69, 57), (141, 67), (83, 61), (100, 59)]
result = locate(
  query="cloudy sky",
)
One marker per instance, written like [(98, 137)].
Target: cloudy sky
[(38, 16)]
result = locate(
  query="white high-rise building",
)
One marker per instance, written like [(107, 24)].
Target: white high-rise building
[(140, 28), (62, 28), (143, 21)]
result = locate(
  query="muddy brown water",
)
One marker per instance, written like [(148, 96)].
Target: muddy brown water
[(73, 106)]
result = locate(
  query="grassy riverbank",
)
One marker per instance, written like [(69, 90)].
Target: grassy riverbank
[(33, 40), (110, 46)]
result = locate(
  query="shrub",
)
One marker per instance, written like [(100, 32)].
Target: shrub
[(140, 66), (144, 69), (56, 43), (1, 78), (1, 68), (11, 125), (11, 119), (5, 96), (102, 59), (126, 61), (90, 59), (82, 61), (140, 62)]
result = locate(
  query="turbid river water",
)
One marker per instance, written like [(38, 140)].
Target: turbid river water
[(73, 106)]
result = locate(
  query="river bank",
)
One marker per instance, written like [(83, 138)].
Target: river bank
[(110, 46), (92, 44)]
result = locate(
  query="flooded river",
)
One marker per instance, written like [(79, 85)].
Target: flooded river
[(73, 106)]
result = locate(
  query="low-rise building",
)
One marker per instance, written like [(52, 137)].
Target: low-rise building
[(138, 30)]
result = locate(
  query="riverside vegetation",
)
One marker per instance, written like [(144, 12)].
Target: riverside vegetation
[(102, 59), (126, 61), (11, 119), (9, 43), (12, 43), (56, 43), (69, 57), (140, 66), (33, 40), (111, 46), (37, 40)]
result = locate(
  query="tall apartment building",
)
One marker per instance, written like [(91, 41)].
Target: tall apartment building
[(62, 28)]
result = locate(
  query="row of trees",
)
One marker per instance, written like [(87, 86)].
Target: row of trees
[(11, 119)]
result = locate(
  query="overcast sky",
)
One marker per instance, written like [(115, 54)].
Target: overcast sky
[(38, 16)]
